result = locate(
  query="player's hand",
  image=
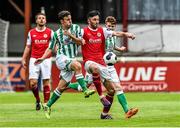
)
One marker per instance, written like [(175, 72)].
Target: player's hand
[(83, 42), (24, 64), (130, 35), (38, 61), (122, 48)]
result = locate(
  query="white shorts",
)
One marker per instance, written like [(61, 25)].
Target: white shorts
[(63, 63), (113, 73), (44, 68), (104, 74)]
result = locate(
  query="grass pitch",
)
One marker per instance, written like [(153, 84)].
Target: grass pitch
[(73, 110)]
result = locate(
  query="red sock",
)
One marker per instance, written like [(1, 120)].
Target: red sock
[(97, 83), (46, 93), (36, 93), (110, 99)]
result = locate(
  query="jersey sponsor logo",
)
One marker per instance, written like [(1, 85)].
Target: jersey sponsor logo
[(95, 40), (34, 35), (67, 40), (45, 36), (41, 41), (99, 34), (89, 34)]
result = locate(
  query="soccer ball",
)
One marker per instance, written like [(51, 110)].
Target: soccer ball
[(110, 58)]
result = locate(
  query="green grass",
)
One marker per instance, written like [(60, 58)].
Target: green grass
[(73, 110)]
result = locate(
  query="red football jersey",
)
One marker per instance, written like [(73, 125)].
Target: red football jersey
[(39, 41), (94, 49)]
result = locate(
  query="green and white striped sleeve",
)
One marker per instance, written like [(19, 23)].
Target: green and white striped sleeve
[(53, 41)]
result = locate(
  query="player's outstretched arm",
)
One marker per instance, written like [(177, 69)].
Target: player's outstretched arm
[(120, 49), (45, 55), (124, 34), (25, 55)]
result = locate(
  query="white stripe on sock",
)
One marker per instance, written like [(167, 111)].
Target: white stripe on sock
[(79, 76), (57, 92), (119, 92)]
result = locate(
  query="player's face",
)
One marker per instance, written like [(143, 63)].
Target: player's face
[(67, 21), (41, 20), (110, 26), (93, 22)]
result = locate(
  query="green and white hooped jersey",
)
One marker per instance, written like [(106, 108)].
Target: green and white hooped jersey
[(64, 43), (110, 43)]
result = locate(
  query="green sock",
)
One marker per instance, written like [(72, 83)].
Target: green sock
[(122, 100), (81, 81), (74, 85), (55, 96)]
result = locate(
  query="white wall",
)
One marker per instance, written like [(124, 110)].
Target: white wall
[(155, 37), (149, 37)]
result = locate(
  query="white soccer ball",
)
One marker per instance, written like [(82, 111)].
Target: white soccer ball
[(110, 58)]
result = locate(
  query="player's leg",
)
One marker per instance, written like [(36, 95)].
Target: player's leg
[(46, 90), (76, 66), (94, 68), (120, 94), (46, 75), (33, 77), (110, 90), (55, 96), (66, 77), (88, 79), (35, 91), (110, 95), (98, 85), (57, 92), (76, 86), (122, 100)]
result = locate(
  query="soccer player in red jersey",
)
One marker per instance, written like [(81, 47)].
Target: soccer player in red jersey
[(37, 42), (93, 51)]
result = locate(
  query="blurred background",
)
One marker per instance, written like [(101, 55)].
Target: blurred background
[(155, 23), (151, 62)]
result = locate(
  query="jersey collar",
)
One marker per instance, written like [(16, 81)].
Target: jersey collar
[(93, 29), (40, 30)]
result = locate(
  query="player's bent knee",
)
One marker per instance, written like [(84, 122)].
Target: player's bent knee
[(94, 68), (46, 82), (76, 65), (111, 92), (118, 87), (33, 84)]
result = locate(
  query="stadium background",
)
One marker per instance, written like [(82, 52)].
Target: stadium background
[(150, 66), (147, 65)]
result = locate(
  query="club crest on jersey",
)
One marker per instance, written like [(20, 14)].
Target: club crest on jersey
[(45, 35), (99, 34)]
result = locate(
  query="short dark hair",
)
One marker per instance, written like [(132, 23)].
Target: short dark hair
[(39, 13), (110, 19), (63, 14), (93, 13)]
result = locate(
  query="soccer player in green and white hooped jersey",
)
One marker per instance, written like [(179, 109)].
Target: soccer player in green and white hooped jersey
[(110, 23), (66, 38)]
